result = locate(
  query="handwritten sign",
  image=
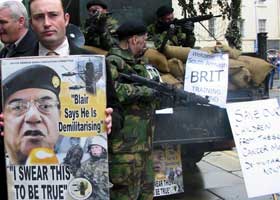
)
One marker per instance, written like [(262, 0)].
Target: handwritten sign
[(207, 75), (256, 129)]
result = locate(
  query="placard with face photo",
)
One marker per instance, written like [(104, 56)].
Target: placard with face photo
[(55, 134)]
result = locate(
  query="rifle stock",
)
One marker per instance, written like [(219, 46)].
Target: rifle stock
[(166, 89)]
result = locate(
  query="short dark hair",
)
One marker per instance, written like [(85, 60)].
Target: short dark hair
[(164, 10), (97, 2), (31, 1)]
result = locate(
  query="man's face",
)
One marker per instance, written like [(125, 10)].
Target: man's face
[(158, 161), (138, 44), (9, 27), (49, 22), (168, 18), (96, 150), (97, 8), (31, 120)]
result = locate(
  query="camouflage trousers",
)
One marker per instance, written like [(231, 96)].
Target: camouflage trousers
[(132, 176)]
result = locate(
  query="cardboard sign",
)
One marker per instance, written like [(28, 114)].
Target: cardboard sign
[(256, 129), (54, 110), (207, 75), (168, 170)]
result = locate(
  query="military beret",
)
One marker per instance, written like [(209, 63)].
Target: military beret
[(33, 76), (130, 28), (164, 10), (98, 3)]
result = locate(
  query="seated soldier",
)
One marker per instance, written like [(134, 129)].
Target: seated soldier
[(100, 26), (164, 31)]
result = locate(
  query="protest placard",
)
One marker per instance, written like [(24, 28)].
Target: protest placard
[(168, 170), (256, 129), (207, 75), (55, 134)]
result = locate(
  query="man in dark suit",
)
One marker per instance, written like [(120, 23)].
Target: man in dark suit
[(49, 22), (18, 39)]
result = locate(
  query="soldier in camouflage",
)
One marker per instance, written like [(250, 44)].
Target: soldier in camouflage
[(165, 31), (74, 155), (100, 27), (95, 169), (130, 151)]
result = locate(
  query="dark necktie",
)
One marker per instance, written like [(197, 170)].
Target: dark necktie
[(8, 50), (4, 52)]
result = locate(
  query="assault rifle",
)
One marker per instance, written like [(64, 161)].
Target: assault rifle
[(200, 18), (181, 22), (182, 96)]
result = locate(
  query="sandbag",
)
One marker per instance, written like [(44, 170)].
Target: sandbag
[(177, 52), (95, 50), (258, 68), (157, 59), (239, 75), (168, 78), (177, 68), (233, 53)]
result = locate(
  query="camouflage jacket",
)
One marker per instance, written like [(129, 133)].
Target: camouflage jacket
[(104, 39), (177, 38), (138, 103), (96, 172), (129, 93)]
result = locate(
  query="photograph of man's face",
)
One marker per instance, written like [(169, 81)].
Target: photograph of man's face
[(31, 120), (96, 150), (31, 111)]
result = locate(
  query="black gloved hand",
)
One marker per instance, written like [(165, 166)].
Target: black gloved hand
[(188, 27), (97, 23), (147, 94)]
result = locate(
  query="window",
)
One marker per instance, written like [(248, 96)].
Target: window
[(262, 25), (211, 27)]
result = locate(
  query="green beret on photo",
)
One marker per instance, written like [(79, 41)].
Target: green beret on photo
[(33, 76), (130, 28), (164, 10), (97, 3)]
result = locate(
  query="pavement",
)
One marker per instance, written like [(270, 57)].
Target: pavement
[(218, 175), (275, 91)]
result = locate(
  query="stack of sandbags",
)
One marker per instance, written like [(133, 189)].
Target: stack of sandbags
[(157, 59), (172, 70), (177, 68), (95, 50), (180, 53), (258, 68), (233, 53), (244, 71), (170, 79), (239, 75)]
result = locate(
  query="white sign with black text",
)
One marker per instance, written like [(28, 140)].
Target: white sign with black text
[(207, 75), (256, 129)]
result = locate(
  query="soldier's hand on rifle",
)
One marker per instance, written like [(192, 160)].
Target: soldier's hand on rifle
[(188, 27), (147, 93), (98, 22)]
